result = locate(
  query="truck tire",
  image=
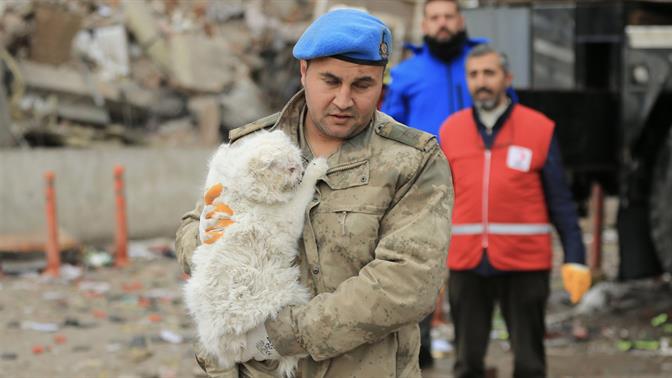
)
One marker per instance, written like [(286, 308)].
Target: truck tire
[(661, 204)]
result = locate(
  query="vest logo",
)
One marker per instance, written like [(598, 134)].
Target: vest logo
[(519, 158)]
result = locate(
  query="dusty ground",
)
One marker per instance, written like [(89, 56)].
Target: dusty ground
[(621, 339), (130, 322)]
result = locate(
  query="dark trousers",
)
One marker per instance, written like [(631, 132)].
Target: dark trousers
[(522, 298)]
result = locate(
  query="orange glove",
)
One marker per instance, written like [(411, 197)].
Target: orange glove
[(212, 193), (576, 279), (215, 216)]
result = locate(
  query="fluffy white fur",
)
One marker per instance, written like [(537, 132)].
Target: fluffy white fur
[(248, 275)]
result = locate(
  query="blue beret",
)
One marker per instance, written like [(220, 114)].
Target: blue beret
[(347, 34)]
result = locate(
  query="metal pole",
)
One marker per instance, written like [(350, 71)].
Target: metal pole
[(598, 222), (53, 250), (122, 229)]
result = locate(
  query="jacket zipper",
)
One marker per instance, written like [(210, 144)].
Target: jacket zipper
[(486, 190)]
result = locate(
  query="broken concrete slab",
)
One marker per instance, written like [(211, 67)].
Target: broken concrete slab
[(201, 64), (68, 80), (207, 112), (55, 28), (244, 103), (107, 47), (141, 22)]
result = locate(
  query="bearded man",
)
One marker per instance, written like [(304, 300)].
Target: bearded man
[(430, 86)]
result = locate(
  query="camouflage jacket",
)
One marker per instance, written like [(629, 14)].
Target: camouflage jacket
[(373, 251)]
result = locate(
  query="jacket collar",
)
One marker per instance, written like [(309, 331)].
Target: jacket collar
[(353, 150)]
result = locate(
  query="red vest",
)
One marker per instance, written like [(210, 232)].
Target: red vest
[(499, 198)]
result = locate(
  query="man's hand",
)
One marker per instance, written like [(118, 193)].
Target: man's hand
[(259, 346), (576, 279)]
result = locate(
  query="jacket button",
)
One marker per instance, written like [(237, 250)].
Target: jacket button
[(363, 179), (316, 269)]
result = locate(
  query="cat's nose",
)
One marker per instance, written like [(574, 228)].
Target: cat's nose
[(292, 169)]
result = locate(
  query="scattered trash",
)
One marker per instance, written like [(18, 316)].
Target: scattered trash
[(621, 296), (98, 259), (130, 287), (499, 334), (53, 296), (665, 347), (9, 356), (60, 339), (116, 319), (13, 324), (441, 346), (146, 303), (579, 331), (163, 294), (40, 327), (38, 349), (154, 318), (659, 320), (70, 272), (138, 342), (165, 372), (94, 287), (81, 348), (75, 323), (646, 345), (138, 350), (624, 345), (174, 338), (113, 347), (99, 314)]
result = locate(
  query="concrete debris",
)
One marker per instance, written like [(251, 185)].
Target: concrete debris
[(145, 66), (207, 113), (171, 337), (40, 327), (620, 296), (107, 47), (54, 30)]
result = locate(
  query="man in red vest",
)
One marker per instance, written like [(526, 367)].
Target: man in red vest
[(509, 187)]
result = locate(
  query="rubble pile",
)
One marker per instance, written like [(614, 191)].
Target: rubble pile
[(156, 72)]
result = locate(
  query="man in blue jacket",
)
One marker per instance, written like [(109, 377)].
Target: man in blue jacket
[(428, 87)]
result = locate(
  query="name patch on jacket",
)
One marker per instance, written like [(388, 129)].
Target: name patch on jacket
[(519, 158)]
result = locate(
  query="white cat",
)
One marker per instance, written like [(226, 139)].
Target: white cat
[(248, 274)]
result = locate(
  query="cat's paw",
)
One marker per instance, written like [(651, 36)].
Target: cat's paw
[(316, 168)]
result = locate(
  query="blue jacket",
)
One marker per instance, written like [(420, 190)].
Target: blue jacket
[(424, 90)]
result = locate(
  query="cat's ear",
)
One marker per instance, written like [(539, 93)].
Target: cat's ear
[(259, 163)]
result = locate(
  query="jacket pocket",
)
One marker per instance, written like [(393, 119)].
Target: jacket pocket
[(347, 238)]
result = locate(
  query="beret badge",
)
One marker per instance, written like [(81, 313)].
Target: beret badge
[(384, 50)]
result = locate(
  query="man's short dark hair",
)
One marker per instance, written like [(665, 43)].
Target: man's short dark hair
[(485, 49), (457, 4)]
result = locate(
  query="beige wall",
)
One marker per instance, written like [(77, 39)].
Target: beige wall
[(161, 184)]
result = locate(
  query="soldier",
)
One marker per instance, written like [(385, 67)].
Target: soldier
[(376, 234)]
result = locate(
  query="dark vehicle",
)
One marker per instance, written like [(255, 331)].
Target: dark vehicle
[(603, 71)]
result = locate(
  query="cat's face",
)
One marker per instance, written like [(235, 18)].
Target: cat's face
[(276, 164)]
